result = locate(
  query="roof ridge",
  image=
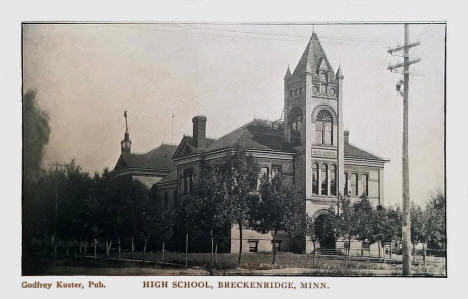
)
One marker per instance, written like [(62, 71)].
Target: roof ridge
[(367, 152)]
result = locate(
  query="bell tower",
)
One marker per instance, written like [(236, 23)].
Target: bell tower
[(313, 123)]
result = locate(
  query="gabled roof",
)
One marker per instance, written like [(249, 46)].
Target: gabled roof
[(312, 59), (350, 151), (186, 147), (158, 158), (257, 134)]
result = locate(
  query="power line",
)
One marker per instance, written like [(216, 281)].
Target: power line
[(406, 217), (293, 38)]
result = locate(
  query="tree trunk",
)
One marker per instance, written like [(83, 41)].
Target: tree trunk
[(313, 257), (133, 249), (391, 250), (274, 246), (163, 247), (186, 251), (54, 240), (414, 253), (95, 251), (119, 249), (86, 248), (216, 254), (212, 247), (108, 247), (384, 255), (144, 249), (349, 252), (378, 244), (240, 244)]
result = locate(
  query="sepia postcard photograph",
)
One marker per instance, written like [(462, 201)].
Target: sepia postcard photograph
[(233, 149)]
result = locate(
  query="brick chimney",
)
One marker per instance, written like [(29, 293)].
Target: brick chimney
[(346, 137), (199, 131)]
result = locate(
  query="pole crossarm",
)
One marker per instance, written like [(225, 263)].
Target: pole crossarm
[(406, 46), (402, 64)]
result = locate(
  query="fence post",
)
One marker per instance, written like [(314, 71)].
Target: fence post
[(216, 254), (424, 254), (186, 251)]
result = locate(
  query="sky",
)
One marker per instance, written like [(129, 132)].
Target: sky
[(86, 75)]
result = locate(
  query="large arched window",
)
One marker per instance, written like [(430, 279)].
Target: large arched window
[(315, 179), (324, 179), (295, 126), (324, 127), (333, 180)]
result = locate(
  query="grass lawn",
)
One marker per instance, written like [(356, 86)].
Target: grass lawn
[(252, 264)]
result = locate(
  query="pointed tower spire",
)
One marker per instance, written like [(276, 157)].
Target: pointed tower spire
[(126, 143), (312, 59), (288, 74), (339, 73)]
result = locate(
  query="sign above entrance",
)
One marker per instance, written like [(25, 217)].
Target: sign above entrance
[(322, 153)]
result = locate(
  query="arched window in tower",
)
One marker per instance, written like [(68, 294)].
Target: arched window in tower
[(295, 126), (324, 127), (324, 179), (333, 179), (315, 178)]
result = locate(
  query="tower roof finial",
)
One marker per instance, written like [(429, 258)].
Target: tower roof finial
[(126, 126)]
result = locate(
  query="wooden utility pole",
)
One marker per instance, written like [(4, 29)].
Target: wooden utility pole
[(406, 219)]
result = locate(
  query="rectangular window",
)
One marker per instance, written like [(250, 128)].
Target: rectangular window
[(264, 175), (365, 188), (276, 169), (188, 180), (253, 246), (346, 183), (365, 244), (354, 186), (346, 245), (264, 172)]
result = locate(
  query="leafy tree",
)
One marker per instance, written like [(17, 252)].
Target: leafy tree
[(311, 230), (363, 213), (275, 209), (145, 211), (74, 188), (418, 226), (240, 188), (435, 215), (204, 210), (36, 132), (392, 225), (344, 221)]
